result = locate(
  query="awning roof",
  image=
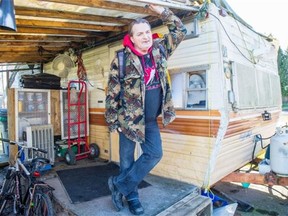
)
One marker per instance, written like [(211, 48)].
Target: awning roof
[(46, 28)]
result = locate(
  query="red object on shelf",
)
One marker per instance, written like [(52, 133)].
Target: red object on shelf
[(78, 118)]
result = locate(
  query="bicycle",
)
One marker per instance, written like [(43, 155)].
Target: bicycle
[(22, 193)]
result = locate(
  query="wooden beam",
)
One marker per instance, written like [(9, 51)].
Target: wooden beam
[(256, 178), (24, 11), (23, 59), (34, 53), (244, 177), (169, 3), (47, 31), (26, 58), (25, 38), (30, 49), (107, 5), (65, 25), (36, 44)]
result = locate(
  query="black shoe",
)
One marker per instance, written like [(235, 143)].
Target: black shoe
[(135, 207), (116, 195)]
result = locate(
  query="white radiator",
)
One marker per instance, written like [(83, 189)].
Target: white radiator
[(40, 136)]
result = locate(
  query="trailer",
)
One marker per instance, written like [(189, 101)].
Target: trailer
[(226, 90)]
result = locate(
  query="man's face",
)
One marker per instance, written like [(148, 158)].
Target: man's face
[(142, 37)]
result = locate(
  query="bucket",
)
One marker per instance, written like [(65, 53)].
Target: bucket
[(279, 152)]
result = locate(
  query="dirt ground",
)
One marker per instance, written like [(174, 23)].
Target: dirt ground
[(256, 200)]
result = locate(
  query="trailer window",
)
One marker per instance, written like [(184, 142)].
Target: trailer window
[(196, 91)]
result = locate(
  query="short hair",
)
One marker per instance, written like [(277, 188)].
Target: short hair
[(137, 21)]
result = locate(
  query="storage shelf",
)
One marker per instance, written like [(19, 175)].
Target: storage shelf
[(33, 112), (32, 107)]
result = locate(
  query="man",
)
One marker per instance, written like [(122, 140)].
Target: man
[(135, 100)]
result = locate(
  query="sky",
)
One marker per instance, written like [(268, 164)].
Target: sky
[(265, 16)]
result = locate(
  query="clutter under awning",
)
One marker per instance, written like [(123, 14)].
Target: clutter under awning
[(46, 28)]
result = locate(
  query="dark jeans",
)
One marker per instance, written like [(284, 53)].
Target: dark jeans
[(132, 172)]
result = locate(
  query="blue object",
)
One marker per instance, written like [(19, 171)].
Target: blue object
[(22, 156), (215, 199), (45, 167), (245, 184), (267, 153)]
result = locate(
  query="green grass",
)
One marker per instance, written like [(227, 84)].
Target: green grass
[(285, 106)]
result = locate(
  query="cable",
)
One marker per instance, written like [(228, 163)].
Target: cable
[(231, 39), (250, 53), (259, 136)]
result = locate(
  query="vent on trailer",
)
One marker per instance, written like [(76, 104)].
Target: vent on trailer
[(41, 136)]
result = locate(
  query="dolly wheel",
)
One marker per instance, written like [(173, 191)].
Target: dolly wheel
[(94, 151), (70, 157)]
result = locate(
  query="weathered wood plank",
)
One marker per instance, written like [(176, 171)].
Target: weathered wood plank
[(97, 119), (45, 38), (28, 49), (55, 112), (11, 123), (256, 178), (100, 136), (67, 25), (36, 44), (170, 4), (107, 5), (54, 31), (24, 11), (193, 204), (25, 59)]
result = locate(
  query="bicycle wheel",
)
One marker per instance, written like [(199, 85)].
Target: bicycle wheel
[(40, 205), (7, 192)]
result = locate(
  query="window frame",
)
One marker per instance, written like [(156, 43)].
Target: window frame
[(189, 89)]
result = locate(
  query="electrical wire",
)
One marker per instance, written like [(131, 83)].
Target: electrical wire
[(250, 53), (259, 136), (231, 39)]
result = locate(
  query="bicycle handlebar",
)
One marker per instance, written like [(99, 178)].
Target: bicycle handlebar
[(40, 150), (7, 140), (15, 143)]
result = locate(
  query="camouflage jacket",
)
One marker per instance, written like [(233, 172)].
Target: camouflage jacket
[(125, 99)]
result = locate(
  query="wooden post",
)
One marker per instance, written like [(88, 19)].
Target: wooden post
[(55, 115), (11, 123)]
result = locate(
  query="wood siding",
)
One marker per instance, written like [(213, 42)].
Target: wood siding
[(185, 158), (97, 118), (100, 136), (192, 125), (99, 132)]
